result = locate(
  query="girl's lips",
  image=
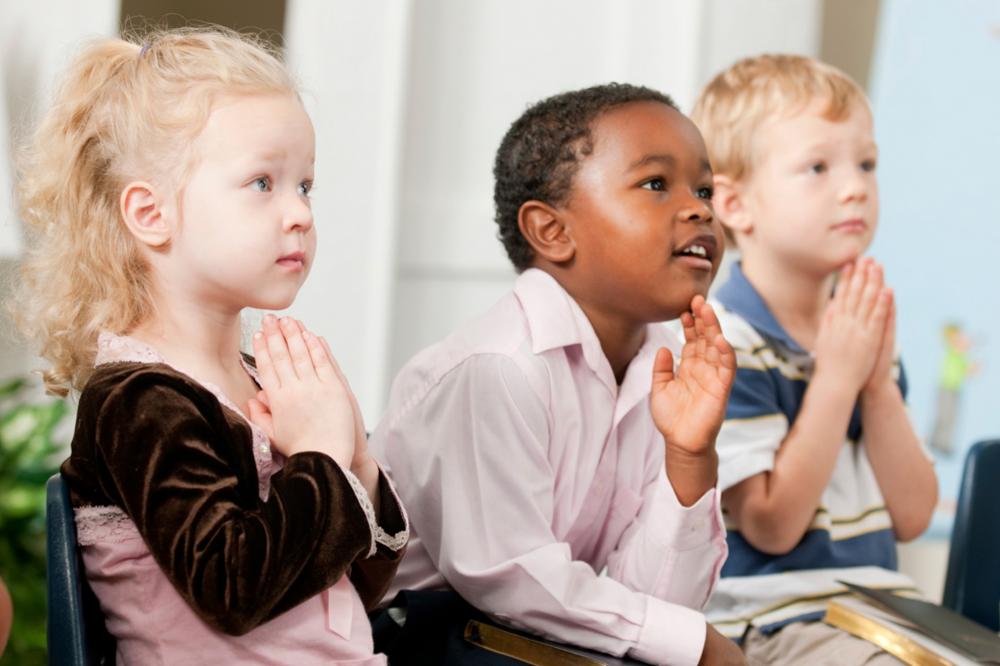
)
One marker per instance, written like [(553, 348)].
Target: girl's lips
[(854, 226), (295, 261)]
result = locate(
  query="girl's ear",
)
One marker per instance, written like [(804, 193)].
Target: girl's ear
[(730, 205), (141, 209), (545, 231)]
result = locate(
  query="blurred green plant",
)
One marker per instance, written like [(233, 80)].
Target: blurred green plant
[(29, 455)]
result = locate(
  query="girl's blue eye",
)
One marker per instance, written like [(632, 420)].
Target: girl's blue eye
[(656, 185), (305, 188), (261, 184)]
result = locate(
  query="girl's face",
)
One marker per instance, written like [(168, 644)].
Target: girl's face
[(245, 234)]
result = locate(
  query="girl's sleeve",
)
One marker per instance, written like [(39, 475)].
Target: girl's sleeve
[(372, 576), (184, 474)]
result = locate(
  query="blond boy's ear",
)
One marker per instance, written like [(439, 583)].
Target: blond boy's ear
[(729, 205), (545, 231), (142, 211)]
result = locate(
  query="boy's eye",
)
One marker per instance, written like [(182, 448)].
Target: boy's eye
[(655, 184), (819, 167), (705, 193), (868, 165), (262, 184), (305, 187)]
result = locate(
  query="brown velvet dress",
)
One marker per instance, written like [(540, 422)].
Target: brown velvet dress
[(163, 449)]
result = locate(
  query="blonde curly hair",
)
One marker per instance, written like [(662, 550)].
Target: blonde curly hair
[(127, 109)]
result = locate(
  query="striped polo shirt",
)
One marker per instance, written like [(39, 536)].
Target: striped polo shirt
[(850, 537)]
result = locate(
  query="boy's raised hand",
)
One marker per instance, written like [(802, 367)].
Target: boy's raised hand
[(306, 405), (853, 329), (688, 406)]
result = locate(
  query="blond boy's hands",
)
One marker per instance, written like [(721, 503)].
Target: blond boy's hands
[(688, 406), (305, 404), (881, 376), (853, 331)]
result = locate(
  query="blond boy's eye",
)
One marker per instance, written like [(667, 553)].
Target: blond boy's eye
[(819, 167), (305, 188), (261, 184), (868, 165)]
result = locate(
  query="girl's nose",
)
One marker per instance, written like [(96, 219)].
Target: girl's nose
[(298, 215)]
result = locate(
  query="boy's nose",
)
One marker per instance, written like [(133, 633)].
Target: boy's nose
[(855, 188), (696, 210)]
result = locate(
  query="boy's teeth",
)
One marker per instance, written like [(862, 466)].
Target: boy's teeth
[(697, 250)]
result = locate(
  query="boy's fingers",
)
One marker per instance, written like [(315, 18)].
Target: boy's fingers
[(297, 351), (870, 294), (277, 348), (687, 323), (711, 321), (265, 369), (663, 368), (727, 356), (852, 293), (840, 288), (883, 305)]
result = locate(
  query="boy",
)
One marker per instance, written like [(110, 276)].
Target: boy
[(807, 500), (528, 447)]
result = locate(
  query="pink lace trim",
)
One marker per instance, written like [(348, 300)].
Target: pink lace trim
[(103, 524)]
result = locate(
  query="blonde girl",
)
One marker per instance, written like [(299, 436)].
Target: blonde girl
[(226, 505)]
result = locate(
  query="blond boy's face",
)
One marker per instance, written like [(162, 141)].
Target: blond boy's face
[(812, 200)]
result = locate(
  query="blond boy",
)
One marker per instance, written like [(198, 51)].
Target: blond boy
[(809, 499)]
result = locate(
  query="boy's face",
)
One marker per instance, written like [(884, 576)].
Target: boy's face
[(639, 213), (812, 200)]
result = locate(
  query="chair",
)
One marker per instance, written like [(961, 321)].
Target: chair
[(972, 585), (76, 632)]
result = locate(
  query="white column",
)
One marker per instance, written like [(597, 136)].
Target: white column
[(351, 59)]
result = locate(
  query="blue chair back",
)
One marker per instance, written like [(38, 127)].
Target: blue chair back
[(76, 632), (972, 585)]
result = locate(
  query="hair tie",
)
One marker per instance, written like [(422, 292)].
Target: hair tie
[(145, 47)]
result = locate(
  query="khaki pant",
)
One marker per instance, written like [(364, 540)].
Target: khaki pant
[(813, 644)]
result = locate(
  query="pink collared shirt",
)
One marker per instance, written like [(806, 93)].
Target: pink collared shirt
[(536, 487), (152, 622)]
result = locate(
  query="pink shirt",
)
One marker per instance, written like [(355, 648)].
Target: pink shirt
[(536, 484), (153, 623)]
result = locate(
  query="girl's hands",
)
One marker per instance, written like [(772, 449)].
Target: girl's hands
[(688, 407), (305, 405)]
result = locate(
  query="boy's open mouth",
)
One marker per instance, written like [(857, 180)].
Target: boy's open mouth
[(701, 250)]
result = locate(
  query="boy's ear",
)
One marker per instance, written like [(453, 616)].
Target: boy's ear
[(729, 204), (543, 228), (141, 208)]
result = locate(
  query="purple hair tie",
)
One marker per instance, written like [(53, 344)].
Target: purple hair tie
[(145, 47)]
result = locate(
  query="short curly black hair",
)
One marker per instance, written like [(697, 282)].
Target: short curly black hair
[(539, 155)]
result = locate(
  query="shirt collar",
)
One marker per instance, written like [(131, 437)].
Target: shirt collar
[(555, 320), (740, 297)]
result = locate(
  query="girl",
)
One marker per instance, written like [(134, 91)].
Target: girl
[(227, 512)]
